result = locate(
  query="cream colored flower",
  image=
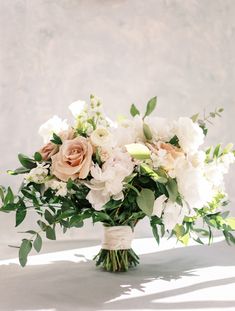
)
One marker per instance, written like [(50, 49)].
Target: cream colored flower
[(101, 137)]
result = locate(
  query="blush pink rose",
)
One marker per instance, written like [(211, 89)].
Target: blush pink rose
[(67, 135), (48, 151), (73, 159)]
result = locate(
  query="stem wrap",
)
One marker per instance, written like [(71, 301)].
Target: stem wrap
[(117, 238)]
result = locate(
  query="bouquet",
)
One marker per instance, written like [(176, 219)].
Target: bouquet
[(117, 173)]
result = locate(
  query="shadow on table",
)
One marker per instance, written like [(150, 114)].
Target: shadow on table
[(66, 286)]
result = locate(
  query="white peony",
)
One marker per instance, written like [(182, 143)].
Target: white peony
[(59, 186), (107, 181), (161, 128), (194, 187), (129, 131), (77, 107), (38, 174), (190, 134), (101, 137), (53, 125), (197, 158)]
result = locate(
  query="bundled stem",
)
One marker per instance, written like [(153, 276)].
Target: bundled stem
[(116, 260)]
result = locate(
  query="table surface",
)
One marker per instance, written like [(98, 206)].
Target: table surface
[(170, 277)]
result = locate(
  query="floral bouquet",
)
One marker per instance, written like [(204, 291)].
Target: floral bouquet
[(117, 173)]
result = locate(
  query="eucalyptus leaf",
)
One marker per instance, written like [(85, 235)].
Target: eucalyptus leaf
[(134, 111), (24, 250), (145, 201), (172, 189), (150, 106), (50, 233), (37, 244), (49, 217)]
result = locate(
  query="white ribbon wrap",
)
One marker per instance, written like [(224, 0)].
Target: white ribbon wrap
[(117, 237)]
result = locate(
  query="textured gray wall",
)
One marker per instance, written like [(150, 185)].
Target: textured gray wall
[(53, 52)]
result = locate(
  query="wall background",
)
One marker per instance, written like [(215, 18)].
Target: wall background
[(55, 52)]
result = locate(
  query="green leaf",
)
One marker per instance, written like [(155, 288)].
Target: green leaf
[(2, 194), (42, 225), (172, 189), (25, 249), (49, 217), (216, 151), (37, 244), (29, 231), (150, 106), (147, 132), (231, 222), (146, 169), (69, 184), (194, 118), (26, 161), (134, 111), (155, 234), (145, 201), (9, 207), (174, 141), (138, 151), (37, 156), (18, 171), (20, 215), (97, 156), (103, 217), (50, 233), (56, 139), (9, 196), (185, 239), (179, 231)]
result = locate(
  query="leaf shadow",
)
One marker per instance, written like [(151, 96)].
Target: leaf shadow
[(65, 285)]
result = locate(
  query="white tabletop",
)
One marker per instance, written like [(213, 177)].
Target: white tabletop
[(64, 278)]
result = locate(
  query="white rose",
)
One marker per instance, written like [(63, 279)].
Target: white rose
[(77, 107), (53, 125), (190, 134), (101, 137)]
